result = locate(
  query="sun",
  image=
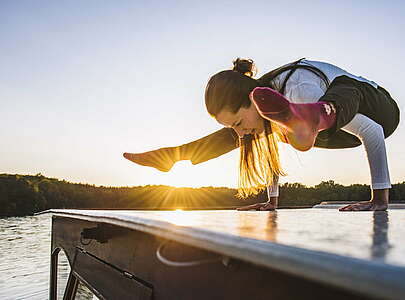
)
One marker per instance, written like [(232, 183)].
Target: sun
[(184, 174)]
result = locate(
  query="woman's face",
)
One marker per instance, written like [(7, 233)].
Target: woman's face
[(245, 121)]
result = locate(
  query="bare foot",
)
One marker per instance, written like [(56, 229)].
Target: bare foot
[(162, 159), (258, 206), (365, 206)]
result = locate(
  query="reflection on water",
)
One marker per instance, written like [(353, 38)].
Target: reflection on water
[(24, 260), (264, 227), (83, 293), (376, 236), (380, 245), (271, 228)]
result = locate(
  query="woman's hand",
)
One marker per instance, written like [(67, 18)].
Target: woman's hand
[(269, 205), (379, 201), (162, 159), (258, 206), (364, 205)]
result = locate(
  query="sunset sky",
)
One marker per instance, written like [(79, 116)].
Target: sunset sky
[(81, 82)]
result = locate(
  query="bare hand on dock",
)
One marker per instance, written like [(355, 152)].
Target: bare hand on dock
[(365, 206), (259, 206), (161, 159), (379, 201)]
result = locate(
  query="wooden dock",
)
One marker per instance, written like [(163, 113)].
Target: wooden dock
[(227, 254)]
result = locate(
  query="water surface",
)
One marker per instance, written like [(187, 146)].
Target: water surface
[(24, 260)]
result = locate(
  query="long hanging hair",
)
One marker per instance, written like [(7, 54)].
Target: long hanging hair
[(259, 160)]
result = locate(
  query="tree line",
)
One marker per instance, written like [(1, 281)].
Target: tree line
[(22, 195)]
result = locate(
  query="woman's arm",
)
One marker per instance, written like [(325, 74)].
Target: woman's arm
[(371, 135), (271, 204)]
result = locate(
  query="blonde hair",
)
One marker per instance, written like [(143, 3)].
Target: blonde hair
[(259, 160)]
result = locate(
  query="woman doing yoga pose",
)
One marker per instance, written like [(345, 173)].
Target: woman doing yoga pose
[(305, 104)]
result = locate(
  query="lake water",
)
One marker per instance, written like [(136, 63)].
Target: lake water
[(24, 260)]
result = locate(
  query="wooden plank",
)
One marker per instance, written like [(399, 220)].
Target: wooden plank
[(303, 243), (134, 252)]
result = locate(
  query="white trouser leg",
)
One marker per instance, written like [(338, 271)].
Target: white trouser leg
[(371, 134), (272, 191)]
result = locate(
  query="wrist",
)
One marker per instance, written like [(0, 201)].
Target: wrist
[(273, 201), (380, 196)]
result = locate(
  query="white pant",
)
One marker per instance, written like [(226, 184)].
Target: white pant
[(371, 134)]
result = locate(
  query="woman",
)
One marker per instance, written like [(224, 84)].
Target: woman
[(306, 104)]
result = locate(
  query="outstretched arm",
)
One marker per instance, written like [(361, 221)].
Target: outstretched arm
[(201, 150)]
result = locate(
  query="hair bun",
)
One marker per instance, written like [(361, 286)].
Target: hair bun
[(245, 66)]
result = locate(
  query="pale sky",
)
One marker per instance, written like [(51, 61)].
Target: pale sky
[(81, 82)]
